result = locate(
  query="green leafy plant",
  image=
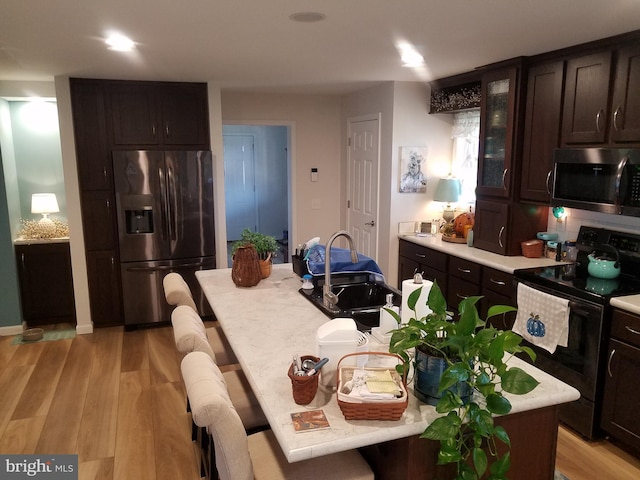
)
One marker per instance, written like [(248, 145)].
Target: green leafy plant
[(476, 354), (265, 245)]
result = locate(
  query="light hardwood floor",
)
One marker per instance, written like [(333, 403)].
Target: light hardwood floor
[(116, 399)]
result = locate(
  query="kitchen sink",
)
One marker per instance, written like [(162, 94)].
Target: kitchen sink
[(360, 296)]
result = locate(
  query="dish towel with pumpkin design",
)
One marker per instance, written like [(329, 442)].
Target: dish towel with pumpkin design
[(542, 319)]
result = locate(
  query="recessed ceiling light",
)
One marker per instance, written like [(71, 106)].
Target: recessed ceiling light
[(120, 43), (307, 17), (410, 56)]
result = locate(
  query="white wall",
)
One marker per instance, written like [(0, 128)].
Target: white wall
[(314, 121)]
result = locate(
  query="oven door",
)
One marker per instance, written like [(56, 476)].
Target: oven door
[(578, 363)]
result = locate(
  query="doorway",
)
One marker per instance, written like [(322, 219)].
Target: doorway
[(256, 182)]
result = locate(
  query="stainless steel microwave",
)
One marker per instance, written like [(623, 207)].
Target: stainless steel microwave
[(600, 179)]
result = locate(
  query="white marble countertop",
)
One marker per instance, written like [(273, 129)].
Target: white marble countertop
[(269, 323), (630, 303), (500, 262)]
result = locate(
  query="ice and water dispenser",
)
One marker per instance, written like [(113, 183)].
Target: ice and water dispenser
[(138, 213)]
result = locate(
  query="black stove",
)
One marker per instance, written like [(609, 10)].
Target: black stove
[(581, 363), (574, 279)]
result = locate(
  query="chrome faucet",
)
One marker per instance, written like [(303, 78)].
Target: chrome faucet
[(330, 299)]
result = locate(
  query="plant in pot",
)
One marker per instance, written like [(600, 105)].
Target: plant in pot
[(265, 245), (474, 375)]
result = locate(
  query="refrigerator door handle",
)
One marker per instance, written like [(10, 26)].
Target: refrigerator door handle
[(171, 198), (164, 267), (164, 214)]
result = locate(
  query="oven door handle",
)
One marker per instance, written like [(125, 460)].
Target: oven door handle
[(576, 308)]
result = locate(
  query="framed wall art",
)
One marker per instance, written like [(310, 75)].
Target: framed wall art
[(412, 163)]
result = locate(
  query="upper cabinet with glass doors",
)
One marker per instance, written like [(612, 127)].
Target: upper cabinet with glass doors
[(497, 124)]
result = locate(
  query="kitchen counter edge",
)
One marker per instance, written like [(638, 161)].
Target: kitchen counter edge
[(507, 264)]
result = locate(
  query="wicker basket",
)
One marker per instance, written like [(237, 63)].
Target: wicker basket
[(304, 387), (532, 248), (371, 409)]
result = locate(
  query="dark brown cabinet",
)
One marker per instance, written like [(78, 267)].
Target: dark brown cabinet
[(416, 258), (541, 130), (460, 278), (498, 289), (592, 80), (89, 121), (46, 283), (113, 115), (498, 111), (501, 223), (464, 281), (586, 97), (105, 294), (625, 120), (622, 391), (158, 115)]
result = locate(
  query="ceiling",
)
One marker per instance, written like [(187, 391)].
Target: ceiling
[(253, 44)]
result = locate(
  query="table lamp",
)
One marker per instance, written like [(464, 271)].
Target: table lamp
[(44, 203), (448, 190)]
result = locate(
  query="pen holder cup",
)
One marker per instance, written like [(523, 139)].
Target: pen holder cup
[(304, 387)]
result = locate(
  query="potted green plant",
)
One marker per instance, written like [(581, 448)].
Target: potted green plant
[(265, 245), (475, 355)]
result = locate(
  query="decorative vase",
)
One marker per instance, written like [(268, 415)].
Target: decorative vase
[(429, 370), (245, 271), (265, 266)]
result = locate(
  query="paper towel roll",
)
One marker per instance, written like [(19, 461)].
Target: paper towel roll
[(408, 286)]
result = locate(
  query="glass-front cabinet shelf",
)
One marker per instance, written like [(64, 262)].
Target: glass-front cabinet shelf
[(496, 128)]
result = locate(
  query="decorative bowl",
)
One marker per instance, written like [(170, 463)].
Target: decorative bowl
[(32, 334)]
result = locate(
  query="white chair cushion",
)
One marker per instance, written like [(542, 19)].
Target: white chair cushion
[(211, 407), (176, 291), (189, 332)]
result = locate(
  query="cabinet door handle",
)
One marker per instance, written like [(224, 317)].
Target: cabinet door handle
[(22, 261), (421, 255), (613, 351), (635, 332), (497, 282), (462, 297), (153, 130), (598, 117), (615, 117), (166, 129), (504, 178), (104, 172), (464, 270), (500, 237), (547, 182)]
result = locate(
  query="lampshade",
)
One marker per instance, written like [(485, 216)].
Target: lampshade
[(448, 190), (44, 203)]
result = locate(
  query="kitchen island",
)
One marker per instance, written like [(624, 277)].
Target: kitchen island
[(269, 323)]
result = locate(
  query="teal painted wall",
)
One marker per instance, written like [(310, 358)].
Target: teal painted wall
[(36, 143), (30, 162), (10, 313)]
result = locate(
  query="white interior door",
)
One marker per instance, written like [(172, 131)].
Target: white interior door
[(239, 184), (363, 163)]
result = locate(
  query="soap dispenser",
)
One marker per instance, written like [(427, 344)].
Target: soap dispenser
[(387, 321)]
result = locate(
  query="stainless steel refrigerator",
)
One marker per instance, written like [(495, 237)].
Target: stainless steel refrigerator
[(164, 203)]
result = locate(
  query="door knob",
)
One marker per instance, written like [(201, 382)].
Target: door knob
[(372, 223)]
